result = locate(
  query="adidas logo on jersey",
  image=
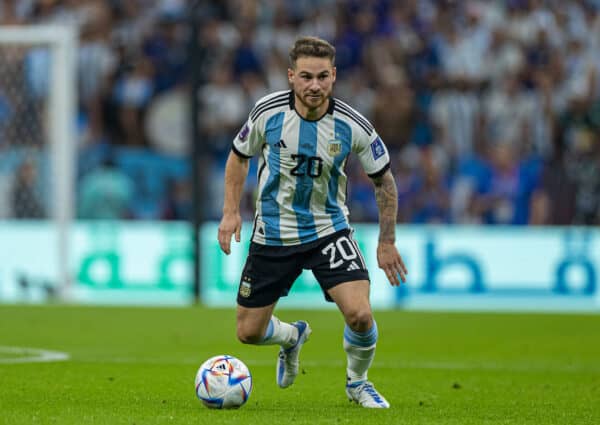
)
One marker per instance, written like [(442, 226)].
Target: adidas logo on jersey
[(353, 266), (280, 144), (260, 227)]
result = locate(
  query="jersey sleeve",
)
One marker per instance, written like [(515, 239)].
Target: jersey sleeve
[(249, 140), (372, 154)]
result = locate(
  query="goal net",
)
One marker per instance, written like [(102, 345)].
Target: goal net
[(37, 151)]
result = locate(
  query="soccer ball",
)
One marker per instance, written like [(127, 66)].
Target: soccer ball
[(223, 382)]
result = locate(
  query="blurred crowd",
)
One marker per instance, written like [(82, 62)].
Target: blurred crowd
[(490, 109)]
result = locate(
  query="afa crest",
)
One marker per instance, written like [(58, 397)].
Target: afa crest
[(334, 147), (245, 287)]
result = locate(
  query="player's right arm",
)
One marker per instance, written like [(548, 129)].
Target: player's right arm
[(245, 145), (236, 171)]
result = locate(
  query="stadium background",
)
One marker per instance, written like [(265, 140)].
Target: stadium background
[(490, 111)]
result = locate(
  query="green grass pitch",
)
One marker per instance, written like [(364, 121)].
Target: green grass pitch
[(137, 366)]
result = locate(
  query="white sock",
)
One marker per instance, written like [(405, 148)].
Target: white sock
[(280, 333), (360, 351)]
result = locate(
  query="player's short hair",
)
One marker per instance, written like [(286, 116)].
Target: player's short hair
[(311, 47)]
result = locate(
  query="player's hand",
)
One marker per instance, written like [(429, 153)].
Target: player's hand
[(230, 224), (390, 261)]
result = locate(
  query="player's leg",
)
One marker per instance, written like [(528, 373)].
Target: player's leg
[(360, 340), (257, 325), (252, 323), (360, 331), (269, 274)]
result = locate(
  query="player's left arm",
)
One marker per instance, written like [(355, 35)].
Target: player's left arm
[(388, 257), (375, 160)]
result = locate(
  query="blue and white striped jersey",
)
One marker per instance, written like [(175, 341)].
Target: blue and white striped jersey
[(301, 177)]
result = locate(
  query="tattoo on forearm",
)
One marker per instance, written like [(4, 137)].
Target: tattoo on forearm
[(386, 195)]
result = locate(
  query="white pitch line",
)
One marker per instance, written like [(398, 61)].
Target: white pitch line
[(30, 355)]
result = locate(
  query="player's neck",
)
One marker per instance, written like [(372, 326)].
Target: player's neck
[(308, 113)]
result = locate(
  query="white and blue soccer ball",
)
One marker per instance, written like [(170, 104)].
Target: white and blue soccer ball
[(223, 382)]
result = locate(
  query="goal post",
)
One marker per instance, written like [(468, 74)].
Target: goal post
[(59, 138)]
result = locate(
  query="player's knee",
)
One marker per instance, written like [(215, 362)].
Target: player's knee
[(360, 320), (248, 335)]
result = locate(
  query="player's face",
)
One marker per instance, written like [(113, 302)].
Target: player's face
[(312, 80)]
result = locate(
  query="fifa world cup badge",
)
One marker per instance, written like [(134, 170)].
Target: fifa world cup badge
[(334, 147), (243, 134), (377, 148)]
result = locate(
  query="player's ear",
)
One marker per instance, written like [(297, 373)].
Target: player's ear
[(291, 75), (333, 74)]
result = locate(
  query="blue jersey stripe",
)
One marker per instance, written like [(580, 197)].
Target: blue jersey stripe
[(307, 149), (343, 133), (268, 197)]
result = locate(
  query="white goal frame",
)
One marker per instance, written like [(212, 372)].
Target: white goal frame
[(62, 103)]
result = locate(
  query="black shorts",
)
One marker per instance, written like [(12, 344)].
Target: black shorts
[(270, 271)]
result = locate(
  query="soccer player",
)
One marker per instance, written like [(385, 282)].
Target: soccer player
[(303, 138)]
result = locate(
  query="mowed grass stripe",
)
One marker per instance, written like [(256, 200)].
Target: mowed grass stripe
[(533, 367), (137, 365)]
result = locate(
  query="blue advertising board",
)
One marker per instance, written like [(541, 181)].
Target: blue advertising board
[(472, 268), (450, 268)]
